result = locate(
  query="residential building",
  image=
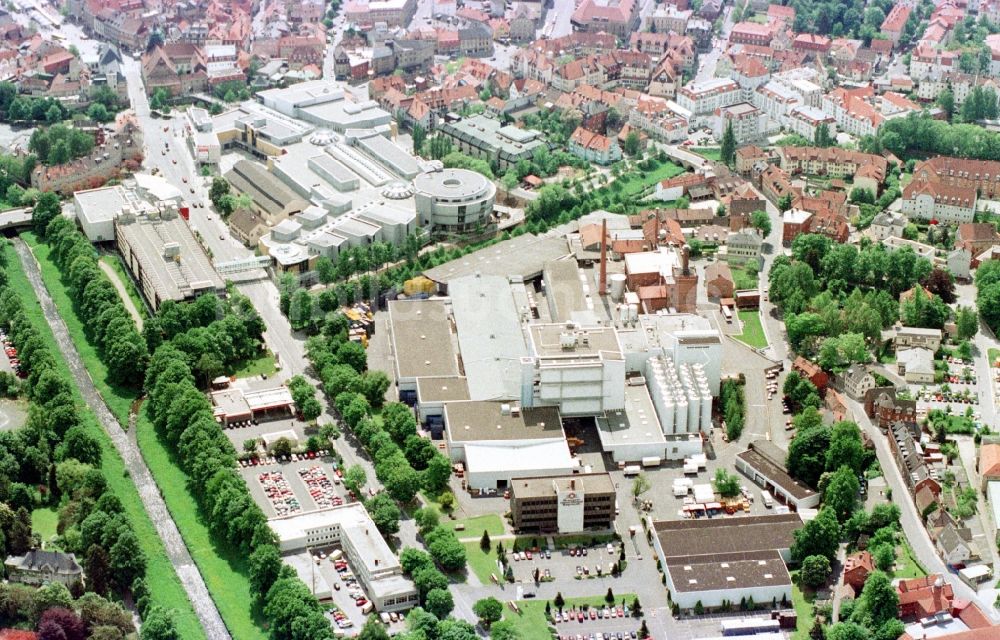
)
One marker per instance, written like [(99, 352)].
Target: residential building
[(563, 504), (702, 98), (486, 138), (719, 280), (38, 567), (179, 68), (394, 13), (909, 454), (910, 337), (882, 404), (667, 18), (764, 463), (594, 147), (989, 463), (857, 567), (744, 246), (887, 224), (793, 223), (811, 372), (747, 122), (938, 200), (717, 560), (857, 381), (916, 365), (976, 237), (617, 17), (752, 33), (869, 171), (958, 263), (923, 597), (979, 175), (892, 26), (955, 545)]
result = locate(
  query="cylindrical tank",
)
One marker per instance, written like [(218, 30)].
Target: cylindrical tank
[(616, 283), (623, 313), (706, 411), (694, 412), (633, 313), (667, 420), (680, 414)]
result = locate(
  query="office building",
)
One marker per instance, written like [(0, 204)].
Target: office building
[(453, 200), (563, 504), (484, 137)]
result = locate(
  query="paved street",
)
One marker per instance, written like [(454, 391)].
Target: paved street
[(912, 525), (127, 448)]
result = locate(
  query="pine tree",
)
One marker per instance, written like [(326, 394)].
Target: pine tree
[(728, 150), (484, 542)]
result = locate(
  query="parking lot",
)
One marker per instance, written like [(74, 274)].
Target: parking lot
[(286, 488), (321, 575), (563, 564)]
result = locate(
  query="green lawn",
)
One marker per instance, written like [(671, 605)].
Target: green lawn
[(637, 181), (744, 278), (712, 153), (115, 262), (43, 522), (532, 624), (994, 355), (482, 564), (907, 565), (229, 588), (753, 331), (474, 527), (224, 571), (803, 609), (118, 398), (165, 587), (262, 365)]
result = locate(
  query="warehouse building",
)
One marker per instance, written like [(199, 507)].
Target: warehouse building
[(234, 405), (499, 441), (370, 558), (164, 256), (764, 463), (563, 504), (718, 560), (326, 103), (420, 333)]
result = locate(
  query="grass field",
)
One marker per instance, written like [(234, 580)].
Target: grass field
[(753, 331), (712, 153), (262, 365), (482, 564), (636, 182), (906, 564), (43, 522), (224, 572), (118, 398), (803, 609), (744, 279), (993, 355), (474, 527), (115, 263), (165, 587), (532, 624)]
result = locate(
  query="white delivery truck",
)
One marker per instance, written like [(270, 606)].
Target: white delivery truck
[(632, 470), (690, 468), (651, 461), (369, 606), (766, 498)]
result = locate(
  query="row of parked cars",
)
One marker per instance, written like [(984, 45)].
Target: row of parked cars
[(11, 352), (613, 635), (593, 613), (296, 457)]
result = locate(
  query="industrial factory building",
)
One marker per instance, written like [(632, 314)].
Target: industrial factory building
[(621, 353)]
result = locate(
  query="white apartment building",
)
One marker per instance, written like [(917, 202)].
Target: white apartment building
[(804, 120), (703, 98), (748, 122)]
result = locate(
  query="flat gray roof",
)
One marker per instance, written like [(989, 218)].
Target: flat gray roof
[(546, 342), (100, 205), (442, 389), (489, 336), (721, 571), (768, 458), (545, 486), (452, 183), (635, 424), (475, 421), (421, 337), (394, 158), (522, 256), (188, 275), (564, 289)]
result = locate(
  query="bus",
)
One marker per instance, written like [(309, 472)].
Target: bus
[(727, 313)]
